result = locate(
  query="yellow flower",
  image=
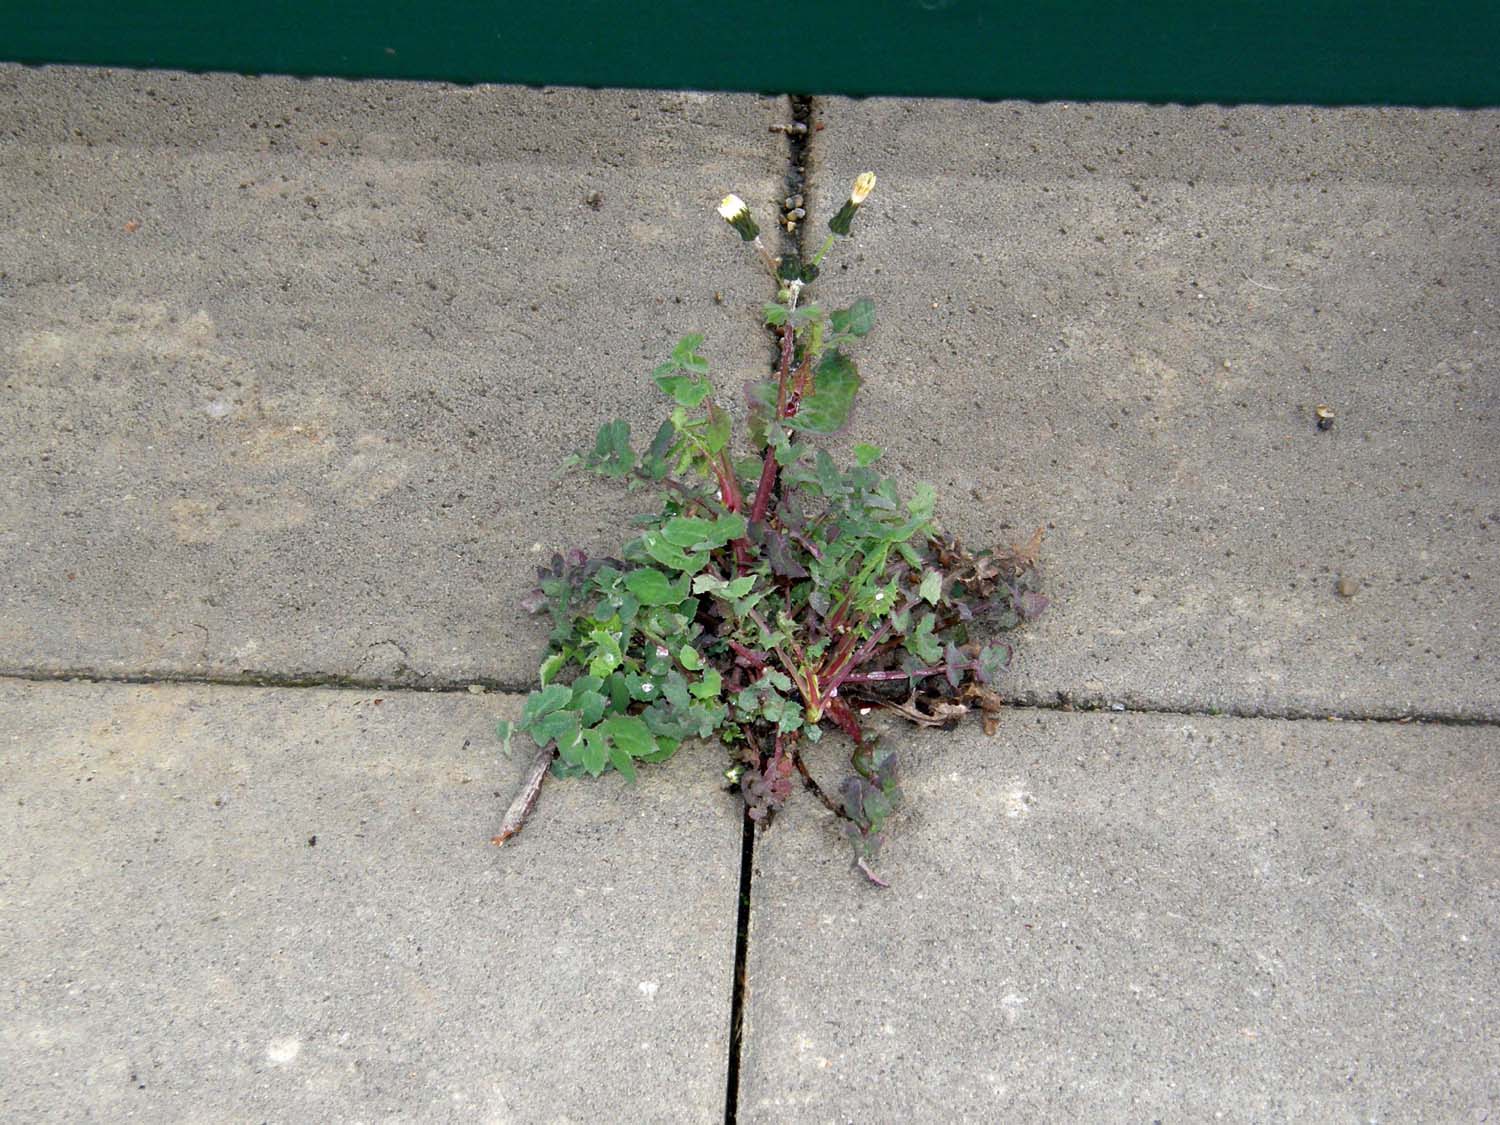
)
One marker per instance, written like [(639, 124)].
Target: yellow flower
[(737, 215), (864, 184)]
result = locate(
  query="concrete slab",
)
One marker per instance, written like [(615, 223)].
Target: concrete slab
[(1140, 918), (289, 365), (1117, 321), (283, 905)]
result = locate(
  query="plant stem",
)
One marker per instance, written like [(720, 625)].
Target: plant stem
[(817, 790), (843, 672), (763, 489), (827, 246), (771, 262)]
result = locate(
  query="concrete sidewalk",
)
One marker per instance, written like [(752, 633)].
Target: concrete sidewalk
[(288, 368), (253, 904)]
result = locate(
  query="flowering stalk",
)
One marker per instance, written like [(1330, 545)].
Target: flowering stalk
[(864, 183), (737, 214)]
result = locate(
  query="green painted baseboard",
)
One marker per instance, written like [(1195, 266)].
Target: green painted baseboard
[(1320, 51)]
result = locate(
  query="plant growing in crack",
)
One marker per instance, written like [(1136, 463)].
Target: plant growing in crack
[(773, 597)]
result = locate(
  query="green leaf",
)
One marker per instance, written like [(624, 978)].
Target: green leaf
[(932, 586), (708, 584), (689, 658), (689, 390), (923, 644), (922, 503), (857, 319), (867, 454), (612, 456), (830, 480), (671, 556), (606, 655), (825, 408), (551, 666), (653, 588), (775, 314), (506, 730), (587, 699), (685, 354), (654, 460), (630, 734), (708, 687), (694, 532), (559, 725), (544, 702), (571, 753), (621, 761), (665, 748), (716, 431), (739, 587), (593, 751)]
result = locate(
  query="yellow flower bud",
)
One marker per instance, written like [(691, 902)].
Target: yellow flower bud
[(737, 215), (864, 184)]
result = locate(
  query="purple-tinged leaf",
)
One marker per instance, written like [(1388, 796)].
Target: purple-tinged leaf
[(782, 561), (1029, 605), (954, 660)]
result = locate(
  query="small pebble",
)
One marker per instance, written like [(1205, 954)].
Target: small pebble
[(1347, 587), (1324, 414)]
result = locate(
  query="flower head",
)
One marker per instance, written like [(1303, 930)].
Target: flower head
[(737, 215), (864, 184)]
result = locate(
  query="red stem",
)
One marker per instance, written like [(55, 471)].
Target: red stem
[(843, 672), (763, 490), (784, 409)]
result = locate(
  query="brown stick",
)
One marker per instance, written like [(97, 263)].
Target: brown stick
[(531, 789)]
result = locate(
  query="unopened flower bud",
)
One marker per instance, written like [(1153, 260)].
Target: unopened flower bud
[(737, 215), (864, 183)]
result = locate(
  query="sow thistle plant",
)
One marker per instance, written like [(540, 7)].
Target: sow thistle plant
[(774, 597)]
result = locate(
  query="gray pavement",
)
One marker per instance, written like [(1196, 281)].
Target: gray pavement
[(281, 905), (288, 367), (330, 376), (1142, 918), (1117, 321)]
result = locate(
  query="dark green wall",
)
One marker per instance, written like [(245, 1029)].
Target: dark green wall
[(1331, 51)]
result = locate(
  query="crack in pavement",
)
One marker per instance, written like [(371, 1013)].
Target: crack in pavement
[(1061, 700)]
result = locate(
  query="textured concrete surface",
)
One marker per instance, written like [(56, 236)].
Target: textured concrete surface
[(1117, 321), (282, 905), (1138, 918), (289, 366)]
